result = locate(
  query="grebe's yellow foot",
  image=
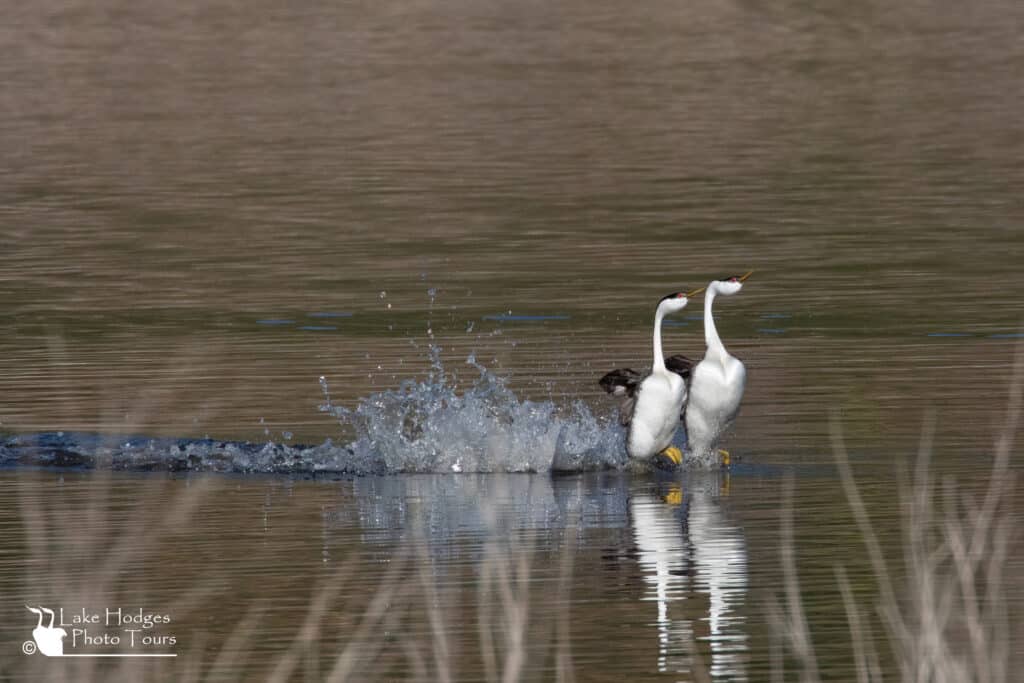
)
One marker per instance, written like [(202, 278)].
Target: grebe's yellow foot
[(724, 457), (674, 495), (668, 459)]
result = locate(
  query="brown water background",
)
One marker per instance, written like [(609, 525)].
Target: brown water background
[(175, 175)]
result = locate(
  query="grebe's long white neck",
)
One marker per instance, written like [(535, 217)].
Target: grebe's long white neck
[(715, 288), (673, 303), (711, 338), (659, 359)]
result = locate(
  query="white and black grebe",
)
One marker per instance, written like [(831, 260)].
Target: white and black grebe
[(716, 383), (652, 404)]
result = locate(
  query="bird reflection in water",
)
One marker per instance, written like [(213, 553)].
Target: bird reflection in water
[(695, 568)]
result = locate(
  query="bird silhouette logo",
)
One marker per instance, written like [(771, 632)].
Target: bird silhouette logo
[(48, 640)]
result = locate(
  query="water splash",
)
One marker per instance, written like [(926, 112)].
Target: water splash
[(139, 453), (430, 425)]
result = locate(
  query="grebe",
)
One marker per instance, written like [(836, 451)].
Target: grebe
[(652, 404), (716, 383)]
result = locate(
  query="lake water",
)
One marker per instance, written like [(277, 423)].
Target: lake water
[(207, 208)]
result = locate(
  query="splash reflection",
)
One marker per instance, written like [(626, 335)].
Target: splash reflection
[(695, 569), (456, 514), (693, 558)]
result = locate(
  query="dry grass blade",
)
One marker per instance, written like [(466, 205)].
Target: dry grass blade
[(857, 638), (950, 620), (442, 651), (874, 548), (234, 650), (308, 635), (360, 647), (563, 657), (793, 624)]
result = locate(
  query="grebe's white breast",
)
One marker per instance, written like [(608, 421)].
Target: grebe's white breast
[(716, 390), (659, 402)]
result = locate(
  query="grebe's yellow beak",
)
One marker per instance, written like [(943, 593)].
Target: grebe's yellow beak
[(695, 292)]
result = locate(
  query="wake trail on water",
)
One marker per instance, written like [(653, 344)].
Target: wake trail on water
[(426, 426)]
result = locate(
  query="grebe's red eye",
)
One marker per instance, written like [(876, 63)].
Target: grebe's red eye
[(734, 279), (680, 296)]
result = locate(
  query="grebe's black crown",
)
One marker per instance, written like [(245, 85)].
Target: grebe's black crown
[(737, 278), (673, 295)]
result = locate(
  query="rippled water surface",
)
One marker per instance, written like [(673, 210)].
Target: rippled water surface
[(229, 233)]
